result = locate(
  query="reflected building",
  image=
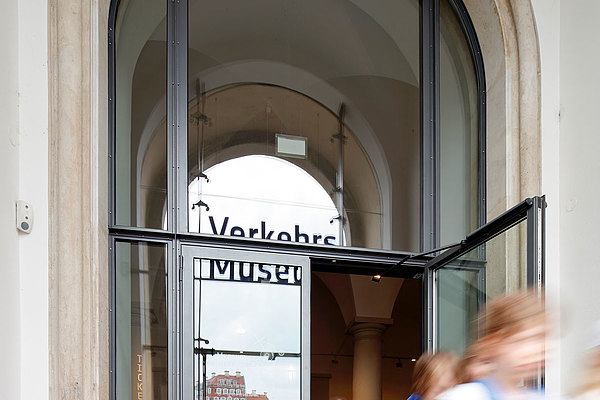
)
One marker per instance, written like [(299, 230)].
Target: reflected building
[(257, 396), (230, 387)]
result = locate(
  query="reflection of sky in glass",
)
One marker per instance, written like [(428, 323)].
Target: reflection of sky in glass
[(258, 188), (280, 378), (250, 316)]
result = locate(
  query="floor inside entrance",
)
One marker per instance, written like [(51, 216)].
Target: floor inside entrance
[(340, 303)]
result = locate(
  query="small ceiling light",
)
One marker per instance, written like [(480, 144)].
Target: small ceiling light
[(413, 359), (376, 278)]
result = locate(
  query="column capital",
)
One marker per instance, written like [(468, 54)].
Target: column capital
[(366, 330)]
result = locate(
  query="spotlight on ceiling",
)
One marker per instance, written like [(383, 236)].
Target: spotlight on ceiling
[(376, 278)]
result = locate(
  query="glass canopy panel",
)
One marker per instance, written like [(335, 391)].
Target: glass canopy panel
[(459, 144), (463, 285), (329, 88), (140, 94)]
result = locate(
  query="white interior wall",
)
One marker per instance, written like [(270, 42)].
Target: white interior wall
[(570, 60), (9, 182), (579, 167), (33, 188)]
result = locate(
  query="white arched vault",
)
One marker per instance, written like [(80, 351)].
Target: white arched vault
[(286, 76)]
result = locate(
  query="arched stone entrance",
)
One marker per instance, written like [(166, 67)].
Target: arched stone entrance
[(78, 292)]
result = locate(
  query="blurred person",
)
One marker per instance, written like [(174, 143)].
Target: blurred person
[(589, 386), (514, 338), (475, 364), (434, 374)]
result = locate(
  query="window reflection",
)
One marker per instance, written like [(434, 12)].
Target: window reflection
[(459, 117), (248, 306), (251, 378), (247, 319), (140, 131), (141, 321), (265, 69)]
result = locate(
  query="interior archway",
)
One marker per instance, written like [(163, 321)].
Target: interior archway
[(256, 195)]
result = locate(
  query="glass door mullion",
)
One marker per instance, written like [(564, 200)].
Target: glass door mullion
[(180, 112), (245, 353), (536, 242), (430, 157), (188, 322)]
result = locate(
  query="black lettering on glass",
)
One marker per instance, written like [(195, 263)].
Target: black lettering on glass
[(284, 236), (214, 228), (279, 273), (263, 227), (264, 271), (297, 275), (222, 270), (327, 238), (253, 231), (300, 235), (237, 231), (250, 276), (316, 238)]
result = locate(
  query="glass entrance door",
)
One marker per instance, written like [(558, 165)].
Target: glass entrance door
[(487, 264), (245, 324)]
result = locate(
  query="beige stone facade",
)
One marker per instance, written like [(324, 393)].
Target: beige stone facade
[(518, 166)]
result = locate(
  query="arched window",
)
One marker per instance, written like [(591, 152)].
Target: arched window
[(318, 125), (255, 195), (340, 102)]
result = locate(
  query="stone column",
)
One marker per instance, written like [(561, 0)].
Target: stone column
[(78, 273), (366, 378)]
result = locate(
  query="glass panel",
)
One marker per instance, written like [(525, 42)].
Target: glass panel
[(459, 117), (140, 142), (461, 286), (141, 321), (340, 82), (458, 295), (247, 320)]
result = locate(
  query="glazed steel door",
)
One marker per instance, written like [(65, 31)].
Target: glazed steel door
[(245, 324), (488, 263)]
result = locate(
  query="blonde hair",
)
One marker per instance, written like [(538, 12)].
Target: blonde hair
[(428, 370), (475, 356), (591, 377), (511, 314)]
